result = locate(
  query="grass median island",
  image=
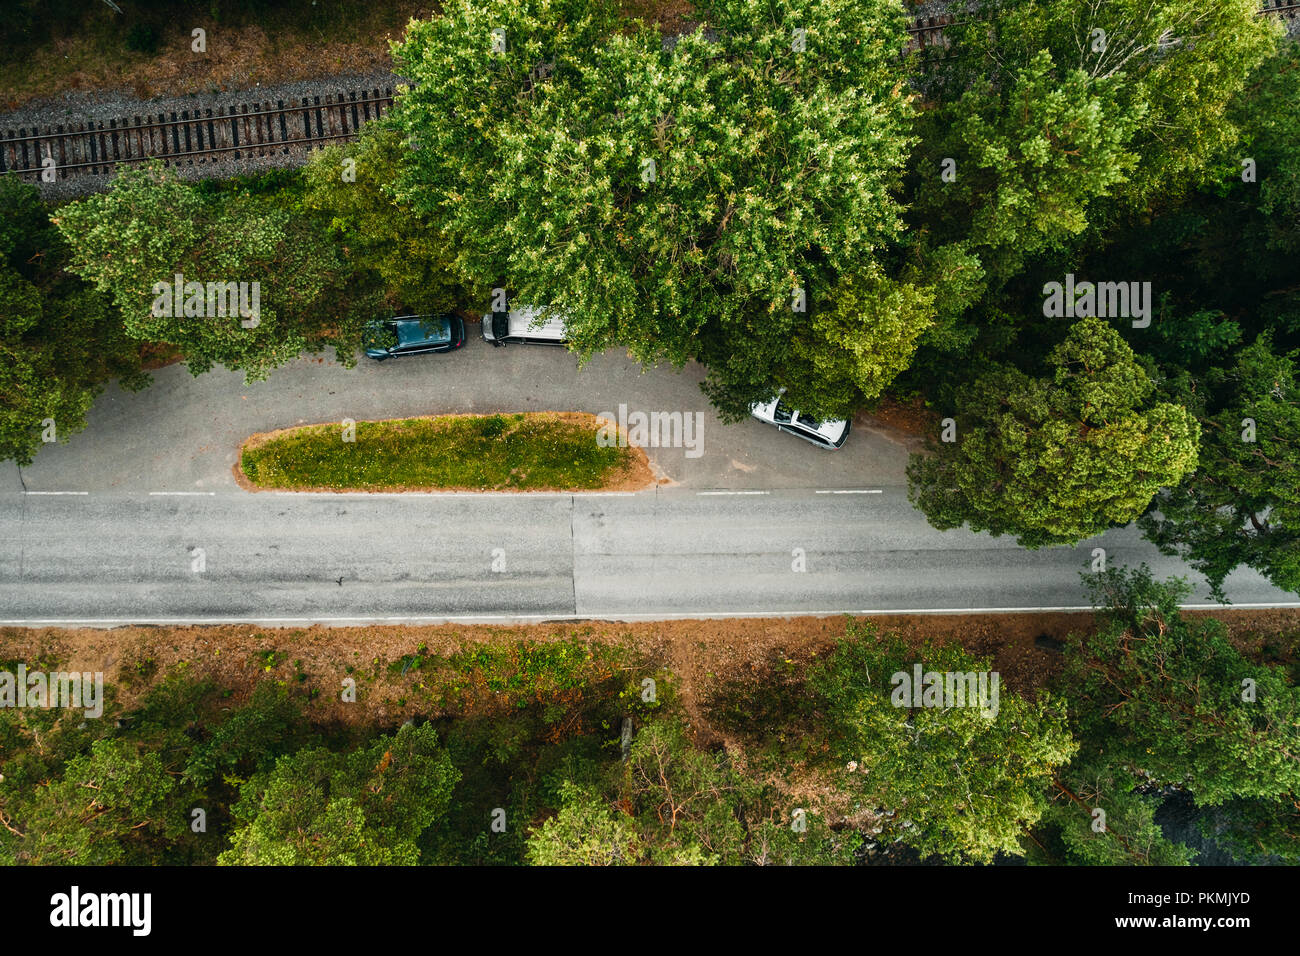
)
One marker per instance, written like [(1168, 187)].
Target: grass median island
[(535, 451)]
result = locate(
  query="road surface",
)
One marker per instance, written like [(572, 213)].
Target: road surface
[(138, 519)]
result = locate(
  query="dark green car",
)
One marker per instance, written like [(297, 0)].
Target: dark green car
[(413, 335)]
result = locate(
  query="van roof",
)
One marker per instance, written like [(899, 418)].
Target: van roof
[(521, 322)]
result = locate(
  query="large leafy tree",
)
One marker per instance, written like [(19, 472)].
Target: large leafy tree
[(110, 805), (1027, 152), (385, 244), (1171, 701), (675, 803), (956, 783), (1060, 459), (1241, 506), (673, 197), (585, 832), (60, 340), (1061, 116), (369, 807), (1166, 73), (149, 227), (1124, 833)]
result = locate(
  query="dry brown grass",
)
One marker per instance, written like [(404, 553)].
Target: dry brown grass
[(236, 57), (703, 655)]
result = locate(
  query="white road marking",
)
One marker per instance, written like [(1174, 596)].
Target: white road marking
[(184, 493), (868, 491), (56, 492), (597, 615), (733, 492)]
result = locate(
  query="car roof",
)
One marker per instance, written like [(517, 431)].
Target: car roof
[(420, 329), (832, 430)]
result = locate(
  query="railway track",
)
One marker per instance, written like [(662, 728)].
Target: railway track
[(189, 137), (927, 32), (206, 136)]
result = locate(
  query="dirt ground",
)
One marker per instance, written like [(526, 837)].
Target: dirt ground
[(702, 655), (911, 418), (237, 57), (240, 57)]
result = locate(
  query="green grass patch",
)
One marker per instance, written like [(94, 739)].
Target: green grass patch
[(525, 452)]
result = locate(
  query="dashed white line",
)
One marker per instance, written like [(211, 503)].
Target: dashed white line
[(56, 492), (852, 491), (733, 492), (184, 493)]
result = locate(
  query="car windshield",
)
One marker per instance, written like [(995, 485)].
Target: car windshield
[(500, 325), (430, 331), (782, 413)]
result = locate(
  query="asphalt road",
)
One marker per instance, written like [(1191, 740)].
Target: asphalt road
[(288, 558), (182, 433), (104, 529)]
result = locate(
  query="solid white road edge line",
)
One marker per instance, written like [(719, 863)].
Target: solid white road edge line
[(608, 616)]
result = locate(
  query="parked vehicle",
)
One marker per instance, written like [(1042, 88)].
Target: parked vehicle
[(523, 325), (828, 434), (413, 335)]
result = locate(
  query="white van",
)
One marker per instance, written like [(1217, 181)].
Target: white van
[(523, 325)]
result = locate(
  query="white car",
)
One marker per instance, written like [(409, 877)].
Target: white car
[(524, 324), (829, 434)]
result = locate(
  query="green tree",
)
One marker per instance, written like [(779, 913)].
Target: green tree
[(1050, 123), (854, 347), (1124, 833), (317, 807), (956, 782), (1241, 506), (774, 169), (109, 806), (351, 187), (149, 227), (60, 340), (585, 832), (1257, 831), (1030, 150), (1173, 68), (249, 738), (1171, 700), (1057, 460)]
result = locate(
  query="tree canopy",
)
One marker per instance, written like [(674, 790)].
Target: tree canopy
[(674, 198), (1055, 460)]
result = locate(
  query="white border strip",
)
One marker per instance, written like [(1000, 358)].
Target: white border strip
[(56, 492), (594, 615)]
